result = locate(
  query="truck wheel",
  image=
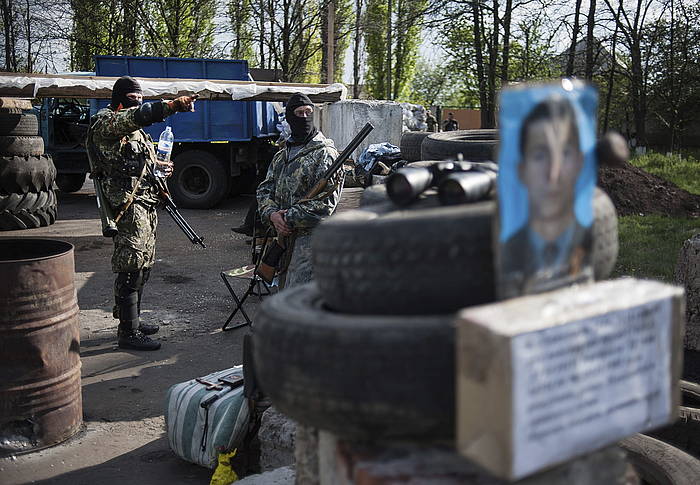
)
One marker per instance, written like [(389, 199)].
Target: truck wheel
[(21, 145), (27, 211), (18, 124), (472, 144), (199, 181), (26, 174), (359, 376), (70, 182)]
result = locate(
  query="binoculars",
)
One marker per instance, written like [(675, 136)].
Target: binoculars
[(456, 182)]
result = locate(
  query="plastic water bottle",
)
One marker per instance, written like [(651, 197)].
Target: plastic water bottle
[(165, 147)]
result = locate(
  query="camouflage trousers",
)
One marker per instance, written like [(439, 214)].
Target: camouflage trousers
[(300, 270), (135, 244)]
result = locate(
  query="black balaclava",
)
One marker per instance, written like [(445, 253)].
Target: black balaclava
[(122, 87), (303, 129)]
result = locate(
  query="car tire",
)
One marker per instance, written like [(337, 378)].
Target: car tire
[(21, 145), (27, 211), (360, 377), (410, 145), (427, 259), (18, 124), (199, 180), (660, 463), (70, 182), (473, 145), (23, 174)]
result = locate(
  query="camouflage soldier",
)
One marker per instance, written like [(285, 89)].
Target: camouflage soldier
[(292, 174), (124, 152)]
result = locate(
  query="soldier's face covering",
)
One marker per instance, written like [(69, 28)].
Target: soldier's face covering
[(300, 116), (126, 93)]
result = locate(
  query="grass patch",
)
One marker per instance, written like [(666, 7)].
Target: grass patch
[(684, 171), (649, 245)]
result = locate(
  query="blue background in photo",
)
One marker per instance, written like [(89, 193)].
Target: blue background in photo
[(515, 104)]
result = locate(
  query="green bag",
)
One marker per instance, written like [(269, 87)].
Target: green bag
[(199, 433)]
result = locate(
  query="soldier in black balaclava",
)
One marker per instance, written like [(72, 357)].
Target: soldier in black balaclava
[(294, 171)]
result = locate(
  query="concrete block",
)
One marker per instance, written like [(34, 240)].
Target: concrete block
[(687, 274), (342, 120), (545, 378), (277, 436), (347, 463), (278, 476)]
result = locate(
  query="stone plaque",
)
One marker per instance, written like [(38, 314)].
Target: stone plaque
[(545, 378)]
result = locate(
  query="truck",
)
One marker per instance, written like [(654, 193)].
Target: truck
[(217, 149)]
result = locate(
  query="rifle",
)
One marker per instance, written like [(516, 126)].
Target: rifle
[(269, 265), (171, 208), (109, 226)]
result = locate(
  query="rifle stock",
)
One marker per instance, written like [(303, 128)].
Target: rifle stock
[(270, 263)]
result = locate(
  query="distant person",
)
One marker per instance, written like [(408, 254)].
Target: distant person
[(294, 171), (552, 248), (450, 124), (124, 154), (431, 121)]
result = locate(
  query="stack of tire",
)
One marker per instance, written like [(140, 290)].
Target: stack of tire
[(367, 350), (473, 145), (27, 197)]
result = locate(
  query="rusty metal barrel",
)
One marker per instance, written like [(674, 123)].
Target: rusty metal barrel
[(40, 399)]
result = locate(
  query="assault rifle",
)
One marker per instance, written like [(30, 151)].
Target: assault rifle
[(109, 226), (270, 263), (171, 208)]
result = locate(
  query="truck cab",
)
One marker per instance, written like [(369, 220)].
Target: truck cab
[(217, 149)]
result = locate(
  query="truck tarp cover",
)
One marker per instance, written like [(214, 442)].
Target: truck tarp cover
[(101, 87)]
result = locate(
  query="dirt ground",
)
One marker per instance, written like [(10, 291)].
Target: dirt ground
[(635, 191), (123, 439)]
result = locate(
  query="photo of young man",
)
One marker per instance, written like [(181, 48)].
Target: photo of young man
[(552, 247)]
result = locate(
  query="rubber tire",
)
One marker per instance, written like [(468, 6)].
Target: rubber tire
[(427, 259), (21, 145), (474, 145), (18, 124), (193, 163), (411, 144), (70, 182), (360, 377), (27, 211), (659, 463), (23, 174)]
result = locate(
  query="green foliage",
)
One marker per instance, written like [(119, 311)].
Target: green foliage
[(111, 28), (649, 245), (406, 26), (376, 46), (344, 21), (239, 14), (682, 171), (180, 28)]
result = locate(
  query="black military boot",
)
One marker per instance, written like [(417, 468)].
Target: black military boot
[(145, 328), (136, 340), (127, 300)]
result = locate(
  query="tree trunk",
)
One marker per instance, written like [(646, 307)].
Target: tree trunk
[(611, 79), (574, 39), (506, 41), (356, 54), (493, 62), (589, 40), (389, 38), (476, 14)]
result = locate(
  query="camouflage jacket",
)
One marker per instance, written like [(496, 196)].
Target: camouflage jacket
[(121, 147), (289, 180)]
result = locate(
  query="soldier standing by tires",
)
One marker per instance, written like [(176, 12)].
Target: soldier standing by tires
[(450, 124), (124, 153), (293, 172)]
